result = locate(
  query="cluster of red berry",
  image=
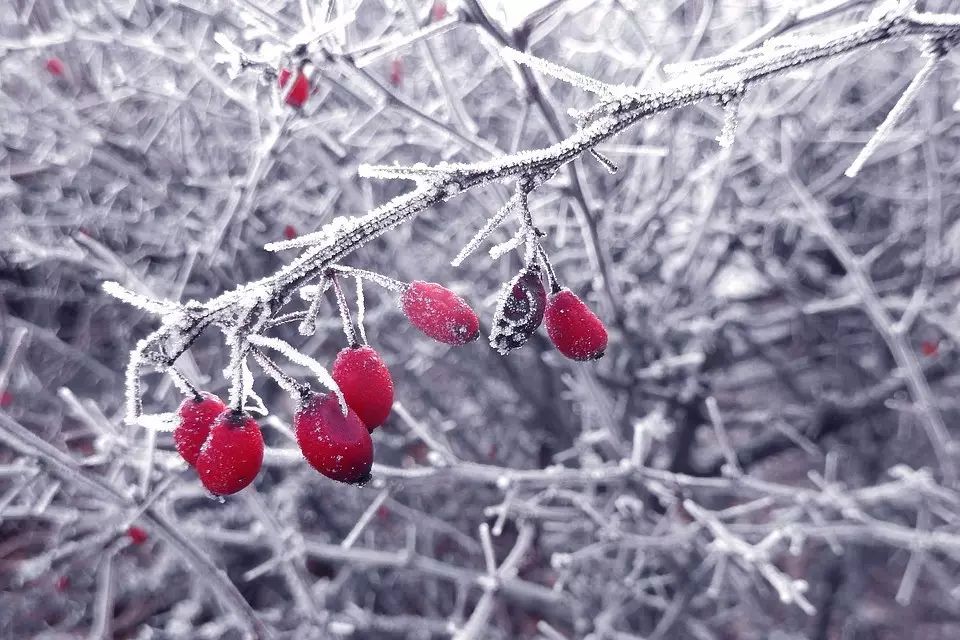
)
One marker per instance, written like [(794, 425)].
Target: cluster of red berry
[(225, 445), (573, 328)]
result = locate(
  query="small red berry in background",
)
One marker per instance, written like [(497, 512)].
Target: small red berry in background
[(196, 417), (439, 11), (289, 232), (55, 66), (231, 456), (6, 399), (137, 535), (338, 446), (366, 384), (440, 313), (383, 513), (573, 328), (929, 348), (62, 583), (300, 90), (396, 72)]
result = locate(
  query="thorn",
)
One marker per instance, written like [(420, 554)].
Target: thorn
[(605, 161)]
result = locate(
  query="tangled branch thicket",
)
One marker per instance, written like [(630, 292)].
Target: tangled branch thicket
[(757, 198)]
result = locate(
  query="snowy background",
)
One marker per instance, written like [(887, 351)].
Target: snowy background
[(767, 449)]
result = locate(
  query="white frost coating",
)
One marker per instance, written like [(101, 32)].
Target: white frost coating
[(895, 115), (287, 350), (511, 244), (361, 308), (248, 393), (326, 236), (731, 117), (486, 230), (158, 421), (159, 307), (562, 73)]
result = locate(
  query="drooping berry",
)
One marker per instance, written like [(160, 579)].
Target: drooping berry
[(519, 310), (929, 348), (196, 417), (289, 232), (440, 313), (336, 445), (574, 329), (137, 535), (366, 384), (231, 456), (300, 90), (439, 10)]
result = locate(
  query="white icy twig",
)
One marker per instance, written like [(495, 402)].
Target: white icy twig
[(317, 369)]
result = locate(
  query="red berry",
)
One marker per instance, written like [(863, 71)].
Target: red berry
[(336, 445), (137, 535), (574, 329), (196, 417), (62, 583), (439, 10), (366, 384), (396, 72), (929, 347), (520, 311), (6, 399), (232, 454), (440, 313), (301, 88), (289, 232), (55, 66)]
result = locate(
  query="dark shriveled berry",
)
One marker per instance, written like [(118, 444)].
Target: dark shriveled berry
[(519, 311), (336, 445), (231, 457), (573, 328), (196, 417), (440, 313)]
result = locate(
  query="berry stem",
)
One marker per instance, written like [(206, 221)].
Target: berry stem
[(384, 281), (548, 267), (287, 383), (183, 384), (344, 309)]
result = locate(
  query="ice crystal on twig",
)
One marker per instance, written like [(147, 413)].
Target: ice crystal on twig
[(492, 223), (934, 56), (318, 370)]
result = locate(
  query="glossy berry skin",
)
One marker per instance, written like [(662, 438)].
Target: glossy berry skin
[(336, 445), (196, 418), (231, 457), (573, 328), (440, 313), (366, 384), (520, 312), (299, 92)]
